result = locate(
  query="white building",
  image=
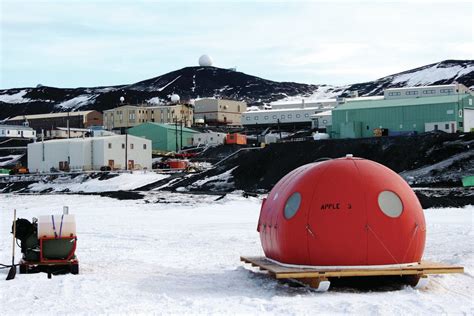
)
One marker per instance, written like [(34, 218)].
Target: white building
[(90, 153), (425, 91), (209, 138), (298, 116), (321, 120), (64, 132), (17, 131), (303, 103)]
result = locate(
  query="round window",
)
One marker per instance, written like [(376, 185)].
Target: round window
[(292, 205), (390, 204)]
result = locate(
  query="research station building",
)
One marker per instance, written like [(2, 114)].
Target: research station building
[(404, 111), (81, 154), (49, 121), (164, 137), (213, 111)]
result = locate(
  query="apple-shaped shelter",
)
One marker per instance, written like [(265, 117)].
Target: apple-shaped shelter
[(342, 212)]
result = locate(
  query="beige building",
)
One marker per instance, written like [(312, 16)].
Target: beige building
[(219, 111), (132, 115)]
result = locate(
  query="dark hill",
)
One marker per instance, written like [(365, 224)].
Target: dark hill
[(194, 82)]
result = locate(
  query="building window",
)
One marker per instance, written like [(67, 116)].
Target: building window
[(411, 92), (367, 127), (131, 146), (436, 127), (265, 117), (247, 118), (290, 116), (460, 124), (429, 91), (256, 118), (144, 146), (274, 117), (298, 116), (460, 113), (446, 126), (283, 117), (391, 94), (123, 146), (446, 91), (306, 115), (110, 145)]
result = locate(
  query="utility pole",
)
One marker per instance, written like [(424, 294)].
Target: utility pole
[(176, 132), (181, 125), (279, 130), (68, 128), (126, 150)]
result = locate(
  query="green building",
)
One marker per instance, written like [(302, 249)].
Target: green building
[(398, 116), (164, 137)]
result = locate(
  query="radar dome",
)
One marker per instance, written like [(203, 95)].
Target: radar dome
[(205, 61), (174, 98)]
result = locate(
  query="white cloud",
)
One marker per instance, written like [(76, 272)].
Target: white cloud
[(111, 42)]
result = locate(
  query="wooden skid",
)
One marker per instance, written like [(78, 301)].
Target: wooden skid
[(282, 272)]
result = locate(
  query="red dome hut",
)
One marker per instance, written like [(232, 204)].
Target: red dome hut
[(342, 212)]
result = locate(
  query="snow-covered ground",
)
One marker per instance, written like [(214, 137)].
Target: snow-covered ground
[(179, 254), (82, 183), (9, 160)]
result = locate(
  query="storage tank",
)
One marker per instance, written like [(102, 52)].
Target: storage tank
[(56, 226), (342, 212)]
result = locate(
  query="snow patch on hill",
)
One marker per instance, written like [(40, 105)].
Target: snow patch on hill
[(15, 98), (77, 102), (432, 74)]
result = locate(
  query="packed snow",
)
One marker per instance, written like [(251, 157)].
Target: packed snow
[(15, 98), (83, 183), (179, 254), (432, 74), (77, 102), (9, 160)]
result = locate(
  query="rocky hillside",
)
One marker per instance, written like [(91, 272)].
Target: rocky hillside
[(194, 82)]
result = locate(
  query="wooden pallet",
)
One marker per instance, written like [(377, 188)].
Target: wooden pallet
[(318, 278)]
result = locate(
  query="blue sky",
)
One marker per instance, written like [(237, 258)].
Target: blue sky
[(92, 43)]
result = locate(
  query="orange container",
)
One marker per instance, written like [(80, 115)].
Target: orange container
[(178, 164), (236, 138)]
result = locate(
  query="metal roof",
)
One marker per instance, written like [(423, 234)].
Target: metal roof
[(18, 127), (400, 102), (48, 115), (167, 126)]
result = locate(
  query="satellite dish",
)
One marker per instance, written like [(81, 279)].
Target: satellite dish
[(122, 99), (205, 61), (175, 98)]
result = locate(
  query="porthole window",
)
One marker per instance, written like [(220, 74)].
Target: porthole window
[(390, 204), (292, 205)]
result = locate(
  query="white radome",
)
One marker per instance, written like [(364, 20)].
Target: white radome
[(122, 99), (205, 61), (174, 98)]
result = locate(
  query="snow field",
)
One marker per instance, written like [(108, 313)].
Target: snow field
[(181, 256), (81, 183)]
